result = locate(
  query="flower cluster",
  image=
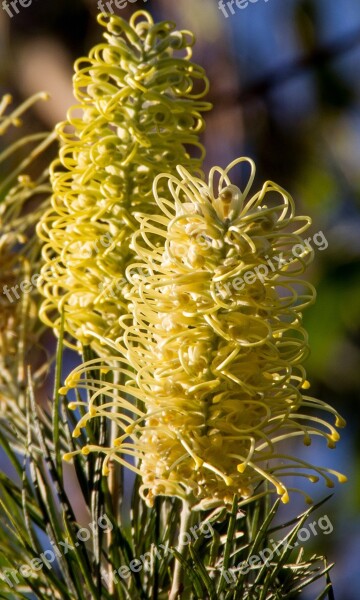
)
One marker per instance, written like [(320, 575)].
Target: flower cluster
[(218, 370), (23, 200), (139, 113)]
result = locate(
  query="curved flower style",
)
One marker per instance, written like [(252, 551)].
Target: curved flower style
[(216, 342), (22, 201), (139, 114)]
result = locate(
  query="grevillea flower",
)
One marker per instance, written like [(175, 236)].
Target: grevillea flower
[(22, 200), (138, 114), (216, 344)]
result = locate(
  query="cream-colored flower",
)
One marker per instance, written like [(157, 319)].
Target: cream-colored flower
[(215, 344)]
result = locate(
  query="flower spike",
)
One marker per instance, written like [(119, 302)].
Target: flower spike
[(213, 345), (139, 112)]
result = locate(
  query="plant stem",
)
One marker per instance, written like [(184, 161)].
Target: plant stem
[(115, 485), (182, 549)]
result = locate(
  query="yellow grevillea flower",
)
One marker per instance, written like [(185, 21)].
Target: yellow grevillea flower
[(138, 114), (22, 200), (216, 344)]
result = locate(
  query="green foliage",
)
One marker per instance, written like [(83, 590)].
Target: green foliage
[(38, 513)]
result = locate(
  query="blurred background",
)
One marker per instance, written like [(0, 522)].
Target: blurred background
[(286, 91)]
